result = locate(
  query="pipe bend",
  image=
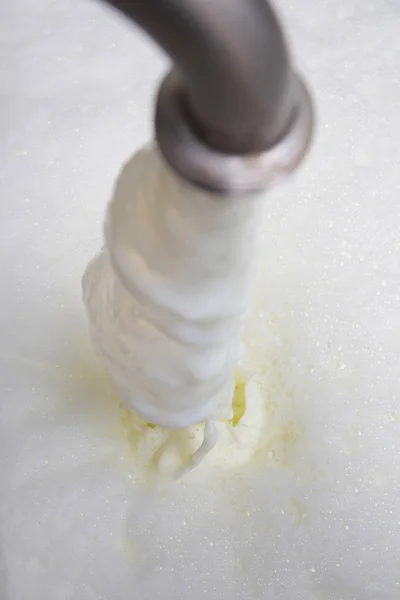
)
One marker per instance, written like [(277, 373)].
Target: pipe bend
[(233, 83)]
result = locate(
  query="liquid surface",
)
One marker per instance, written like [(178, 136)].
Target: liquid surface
[(313, 514)]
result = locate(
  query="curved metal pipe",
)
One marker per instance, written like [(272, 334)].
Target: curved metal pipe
[(232, 91)]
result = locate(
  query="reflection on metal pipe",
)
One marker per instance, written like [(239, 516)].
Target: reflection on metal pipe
[(232, 116)]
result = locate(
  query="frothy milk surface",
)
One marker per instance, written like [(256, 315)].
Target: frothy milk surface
[(302, 504)]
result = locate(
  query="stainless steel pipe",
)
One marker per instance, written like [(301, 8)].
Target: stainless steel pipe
[(232, 115)]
